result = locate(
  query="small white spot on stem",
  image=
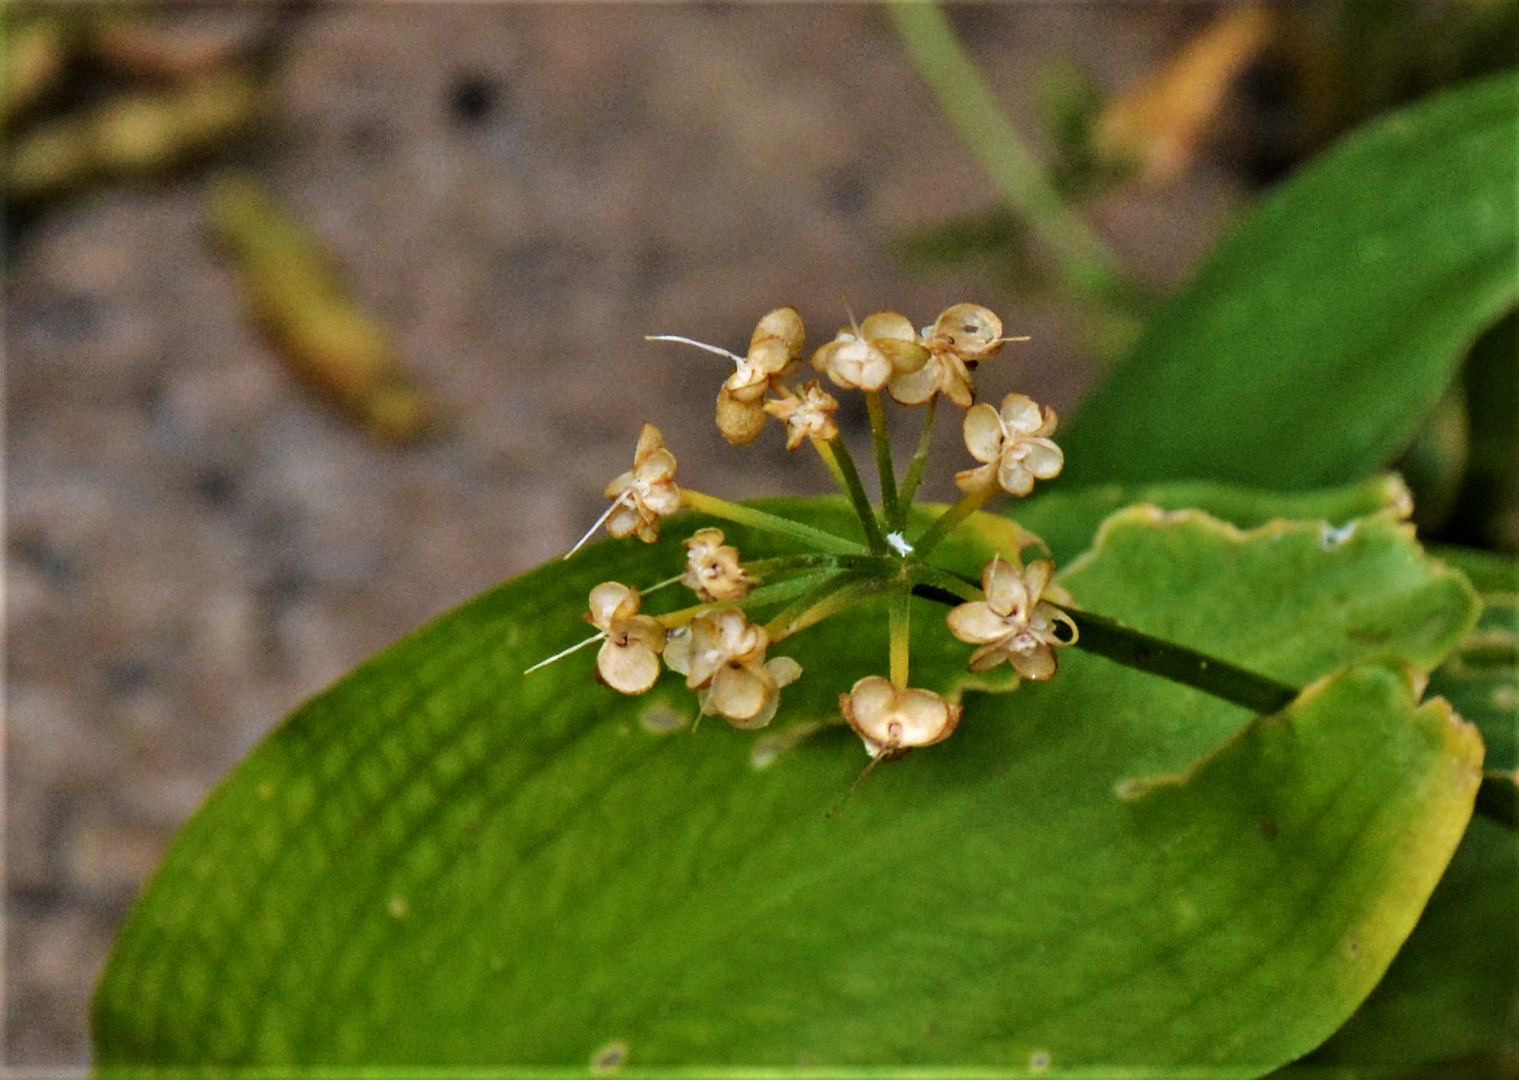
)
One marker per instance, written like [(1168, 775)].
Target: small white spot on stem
[(899, 543)]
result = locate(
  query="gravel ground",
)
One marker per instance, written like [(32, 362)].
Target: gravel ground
[(523, 191)]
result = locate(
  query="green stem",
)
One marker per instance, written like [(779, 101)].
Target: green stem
[(947, 521), (977, 116), (830, 459), (915, 466), (1108, 638), (740, 514), (785, 564), (856, 492), (886, 470), (941, 585), (1111, 639), (829, 597), (899, 619)]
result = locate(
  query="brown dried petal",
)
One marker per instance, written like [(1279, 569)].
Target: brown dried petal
[(740, 692), (969, 330), (808, 416), (612, 602), (628, 660), (783, 324), (890, 719), (976, 623), (984, 434), (712, 568), (979, 479)]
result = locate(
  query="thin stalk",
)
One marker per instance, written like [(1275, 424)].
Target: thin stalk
[(947, 521), (760, 597), (758, 519), (880, 434), (828, 598), (977, 116), (832, 462), (940, 585), (915, 465), (785, 564), (899, 618), (856, 492)]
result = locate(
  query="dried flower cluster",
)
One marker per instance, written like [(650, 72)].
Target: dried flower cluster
[(719, 647)]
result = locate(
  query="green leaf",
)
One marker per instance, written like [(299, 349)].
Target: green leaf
[(1481, 678), (1066, 519), (1309, 347), (442, 861), (1452, 993)]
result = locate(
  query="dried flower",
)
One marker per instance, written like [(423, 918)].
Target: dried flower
[(628, 660), (962, 335), (722, 657), (773, 351), (889, 718), (774, 348), (968, 331), (806, 416), (867, 356), (1013, 444), (712, 568), (1015, 623), (646, 492)]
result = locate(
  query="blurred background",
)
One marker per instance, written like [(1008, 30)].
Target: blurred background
[(321, 319)]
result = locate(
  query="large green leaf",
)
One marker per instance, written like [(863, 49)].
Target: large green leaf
[(440, 860), (1310, 346), (1453, 991)]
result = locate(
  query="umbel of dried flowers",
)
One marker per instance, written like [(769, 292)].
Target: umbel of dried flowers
[(720, 647)]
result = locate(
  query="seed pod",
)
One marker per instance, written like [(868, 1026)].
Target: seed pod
[(292, 289), (739, 421)]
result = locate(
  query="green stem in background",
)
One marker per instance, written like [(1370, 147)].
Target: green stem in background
[(880, 434), (977, 116), (946, 522), (759, 519), (857, 496), (915, 465)]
